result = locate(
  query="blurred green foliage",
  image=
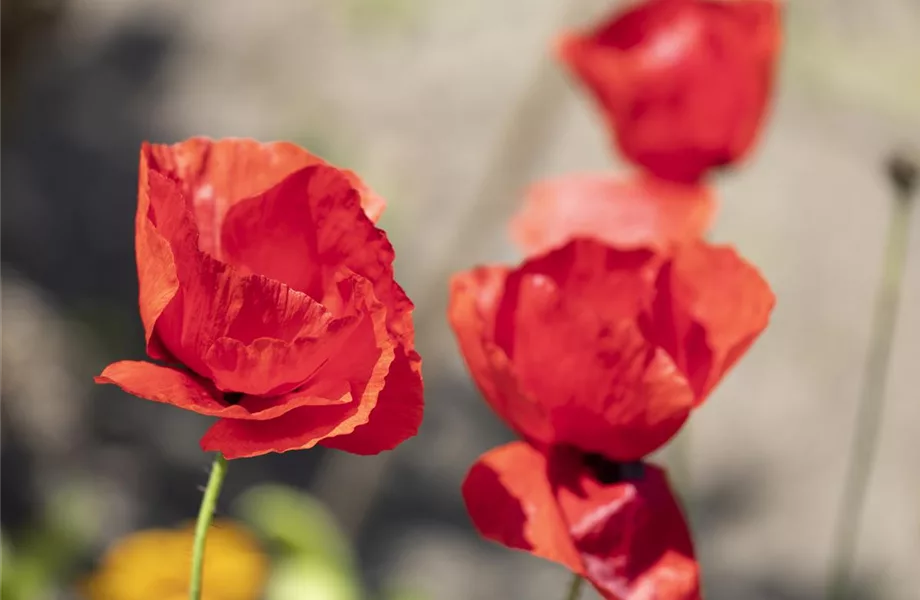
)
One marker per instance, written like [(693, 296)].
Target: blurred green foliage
[(47, 554), (311, 558), (296, 522)]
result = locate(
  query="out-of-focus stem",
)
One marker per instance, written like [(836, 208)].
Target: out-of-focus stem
[(523, 141), (903, 173), (679, 465), (575, 587)]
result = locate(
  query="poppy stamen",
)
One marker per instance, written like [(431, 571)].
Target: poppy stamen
[(608, 471), (233, 398)]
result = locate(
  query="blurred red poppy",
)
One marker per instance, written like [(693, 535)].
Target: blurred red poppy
[(269, 293), (603, 349), (640, 211), (683, 84), (617, 525)]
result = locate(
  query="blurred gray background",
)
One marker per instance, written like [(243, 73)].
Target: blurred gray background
[(448, 109)]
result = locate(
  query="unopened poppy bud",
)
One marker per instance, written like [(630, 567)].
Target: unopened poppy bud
[(684, 86)]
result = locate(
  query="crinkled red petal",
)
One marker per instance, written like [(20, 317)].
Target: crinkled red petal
[(305, 427), (187, 391), (631, 535), (572, 322), (269, 367), (167, 385), (305, 231), (248, 332), (297, 429), (216, 174), (397, 415)]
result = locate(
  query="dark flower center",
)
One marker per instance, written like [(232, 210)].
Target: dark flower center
[(608, 472), (233, 397)]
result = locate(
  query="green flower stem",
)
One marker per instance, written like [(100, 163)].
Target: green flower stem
[(575, 587), (870, 406), (205, 514)]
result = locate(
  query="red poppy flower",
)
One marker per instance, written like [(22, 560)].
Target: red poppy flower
[(603, 349), (617, 525), (683, 84), (636, 212), (269, 293)]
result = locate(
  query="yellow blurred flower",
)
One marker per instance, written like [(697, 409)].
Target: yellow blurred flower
[(155, 565)]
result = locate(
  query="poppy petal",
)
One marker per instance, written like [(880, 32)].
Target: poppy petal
[(167, 385), (320, 393), (638, 212), (510, 501), (372, 258), (631, 535), (606, 280), (298, 429), (217, 300), (372, 203), (474, 299), (158, 280), (397, 415), (269, 366), (216, 174), (266, 234), (607, 389), (181, 389), (304, 427), (683, 84), (578, 345), (213, 325), (711, 306), (279, 233)]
